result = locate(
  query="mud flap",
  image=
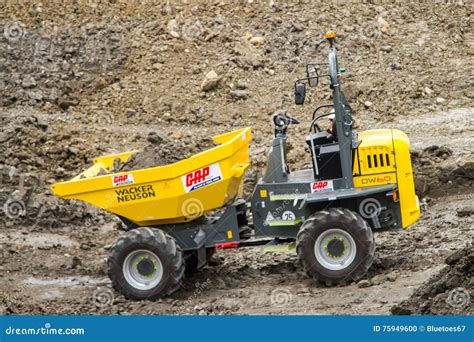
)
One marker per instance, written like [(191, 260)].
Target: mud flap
[(200, 240), (201, 256)]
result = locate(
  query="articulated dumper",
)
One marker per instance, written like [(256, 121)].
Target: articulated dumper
[(177, 215)]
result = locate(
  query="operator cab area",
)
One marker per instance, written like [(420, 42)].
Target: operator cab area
[(332, 149), (322, 141), (323, 145)]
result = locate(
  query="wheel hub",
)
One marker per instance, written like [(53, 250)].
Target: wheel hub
[(146, 267), (142, 269), (336, 248)]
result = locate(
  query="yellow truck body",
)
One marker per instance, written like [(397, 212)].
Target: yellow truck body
[(383, 157), (174, 193)]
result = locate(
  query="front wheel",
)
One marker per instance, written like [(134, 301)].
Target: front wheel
[(146, 264), (335, 245)]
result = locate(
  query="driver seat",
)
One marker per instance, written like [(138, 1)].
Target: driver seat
[(320, 138)]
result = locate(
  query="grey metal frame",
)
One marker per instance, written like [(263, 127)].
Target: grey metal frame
[(343, 121), (290, 191)]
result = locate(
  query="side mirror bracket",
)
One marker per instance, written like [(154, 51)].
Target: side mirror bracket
[(312, 75)]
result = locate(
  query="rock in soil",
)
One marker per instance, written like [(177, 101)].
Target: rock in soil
[(165, 151), (449, 292)]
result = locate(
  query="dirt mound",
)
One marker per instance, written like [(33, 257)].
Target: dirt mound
[(449, 292), (163, 150), (55, 64), (102, 76), (29, 144), (138, 57), (438, 173), (26, 200), (33, 156), (38, 151)]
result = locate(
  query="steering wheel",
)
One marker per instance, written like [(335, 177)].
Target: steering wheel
[(314, 125), (284, 120)]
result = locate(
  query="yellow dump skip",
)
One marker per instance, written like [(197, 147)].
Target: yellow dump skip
[(173, 193)]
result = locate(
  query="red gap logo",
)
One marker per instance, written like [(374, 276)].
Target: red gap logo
[(197, 176), (122, 180), (322, 186), (202, 177)]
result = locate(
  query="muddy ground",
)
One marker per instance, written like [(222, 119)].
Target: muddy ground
[(77, 83)]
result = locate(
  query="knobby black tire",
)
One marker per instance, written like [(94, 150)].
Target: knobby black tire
[(158, 242), (343, 219)]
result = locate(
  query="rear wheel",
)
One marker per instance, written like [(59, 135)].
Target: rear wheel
[(335, 246), (146, 264)]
